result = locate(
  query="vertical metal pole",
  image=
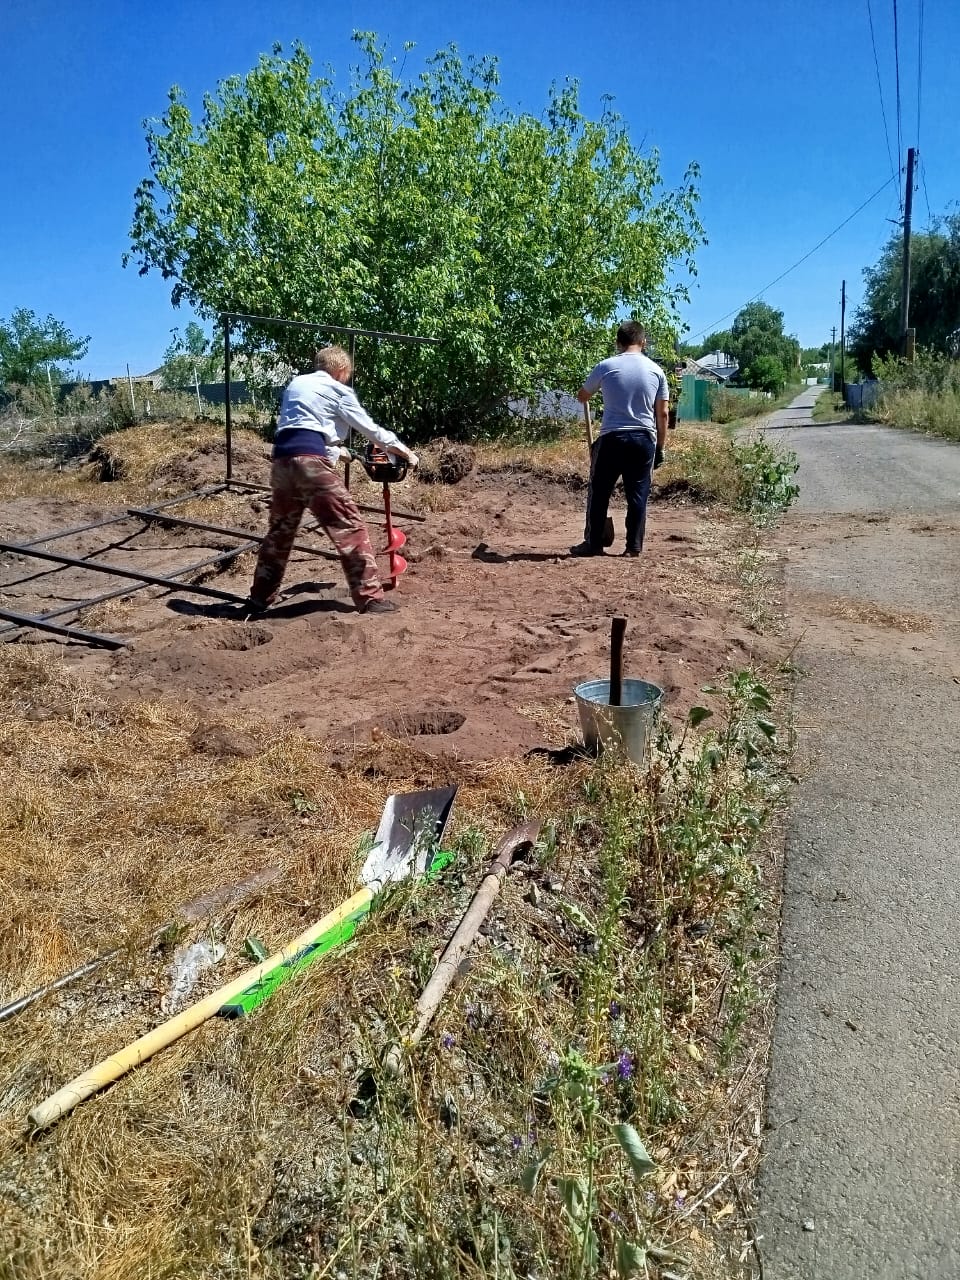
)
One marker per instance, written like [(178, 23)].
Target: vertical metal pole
[(353, 367), (907, 219), (833, 343), (196, 383), (227, 404), (843, 345), (133, 403)]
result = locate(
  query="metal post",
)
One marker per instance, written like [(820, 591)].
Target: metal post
[(353, 367), (196, 383), (907, 219), (227, 404), (133, 403), (843, 344)]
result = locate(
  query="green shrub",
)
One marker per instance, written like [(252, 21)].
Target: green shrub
[(727, 405)]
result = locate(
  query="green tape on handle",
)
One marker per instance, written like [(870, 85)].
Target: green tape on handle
[(254, 996)]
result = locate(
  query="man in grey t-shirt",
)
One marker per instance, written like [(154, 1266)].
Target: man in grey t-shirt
[(632, 435)]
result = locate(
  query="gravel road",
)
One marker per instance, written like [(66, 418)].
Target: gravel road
[(862, 1148)]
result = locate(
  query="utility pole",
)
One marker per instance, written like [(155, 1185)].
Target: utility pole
[(843, 345), (907, 217)]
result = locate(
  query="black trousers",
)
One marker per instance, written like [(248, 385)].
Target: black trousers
[(626, 455)]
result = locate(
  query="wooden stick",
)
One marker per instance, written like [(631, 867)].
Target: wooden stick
[(618, 628), (64, 1100), (470, 922), (588, 423)]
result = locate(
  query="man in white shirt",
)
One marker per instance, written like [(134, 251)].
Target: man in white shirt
[(632, 435), (316, 415)]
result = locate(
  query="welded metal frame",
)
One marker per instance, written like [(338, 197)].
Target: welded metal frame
[(18, 621), (159, 513)]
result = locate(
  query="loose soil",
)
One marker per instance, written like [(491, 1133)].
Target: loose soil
[(496, 623)]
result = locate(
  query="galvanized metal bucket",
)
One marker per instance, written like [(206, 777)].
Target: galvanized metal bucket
[(627, 728)]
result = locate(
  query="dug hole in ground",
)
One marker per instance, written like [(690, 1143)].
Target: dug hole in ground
[(621, 978)]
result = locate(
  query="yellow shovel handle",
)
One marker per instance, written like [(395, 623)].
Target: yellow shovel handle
[(119, 1063)]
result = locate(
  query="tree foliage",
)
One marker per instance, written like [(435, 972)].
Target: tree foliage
[(934, 294), (422, 207), (757, 335), (31, 349), (189, 357)]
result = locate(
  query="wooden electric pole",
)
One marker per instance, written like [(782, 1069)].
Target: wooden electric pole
[(907, 217), (843, 345)]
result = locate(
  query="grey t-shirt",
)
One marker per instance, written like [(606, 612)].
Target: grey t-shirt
[(631, 384)]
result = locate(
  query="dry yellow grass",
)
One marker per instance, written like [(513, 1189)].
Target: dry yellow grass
[(235, 1152)]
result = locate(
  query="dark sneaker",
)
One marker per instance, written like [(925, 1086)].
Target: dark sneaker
[(258, 606), (380, 606), (633, 554), (585, 549)]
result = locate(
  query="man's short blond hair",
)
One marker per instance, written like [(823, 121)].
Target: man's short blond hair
[(332, 360)]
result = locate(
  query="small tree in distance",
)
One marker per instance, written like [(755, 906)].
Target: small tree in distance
[(189, 358), (422, 207), (32, 351)]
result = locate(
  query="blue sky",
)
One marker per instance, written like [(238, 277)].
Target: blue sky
[(777, 101)]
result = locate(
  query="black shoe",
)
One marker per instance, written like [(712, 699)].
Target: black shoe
[(627, 552), (258, 606), (380, 606), (585, 549)]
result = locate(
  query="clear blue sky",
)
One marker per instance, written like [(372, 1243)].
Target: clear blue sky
[(778, 102)]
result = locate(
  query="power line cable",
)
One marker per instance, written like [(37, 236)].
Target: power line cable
[(896, 59), (923, 176), (819, 245), (919, 67), (883, 110)]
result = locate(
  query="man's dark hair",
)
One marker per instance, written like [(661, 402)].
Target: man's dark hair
[(631, 334)]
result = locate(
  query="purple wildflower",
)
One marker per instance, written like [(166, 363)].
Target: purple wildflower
[(614, 1010), (624, 1065), (447, 1041), (516, 1142)]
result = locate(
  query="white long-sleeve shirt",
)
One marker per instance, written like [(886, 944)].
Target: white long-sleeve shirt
[(316, 415)]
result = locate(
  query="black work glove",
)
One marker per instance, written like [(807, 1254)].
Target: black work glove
[(658, 458)]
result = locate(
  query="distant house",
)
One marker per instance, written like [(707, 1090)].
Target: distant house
[(717, 365)]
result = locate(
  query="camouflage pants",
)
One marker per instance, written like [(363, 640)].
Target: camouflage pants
[(311, 482)]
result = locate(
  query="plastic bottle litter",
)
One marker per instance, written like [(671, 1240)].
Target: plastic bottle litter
[(187, 965)]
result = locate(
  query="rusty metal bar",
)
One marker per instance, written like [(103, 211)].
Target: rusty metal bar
[(377, 511), (145, 513), (99, 524), (74, 633), (226, 316), (78, 606), (118, 571), (228, 407)]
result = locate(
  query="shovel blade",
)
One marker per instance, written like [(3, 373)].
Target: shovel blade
[(411, 828)]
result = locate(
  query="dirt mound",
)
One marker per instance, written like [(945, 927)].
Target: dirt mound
[(446, 463)]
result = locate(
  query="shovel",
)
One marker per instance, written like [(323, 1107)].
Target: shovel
[(408, 833), (609, 533)]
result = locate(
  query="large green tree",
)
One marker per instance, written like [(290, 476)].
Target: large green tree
[(756, 332), (422, 207), (934, 294), (33, 350)]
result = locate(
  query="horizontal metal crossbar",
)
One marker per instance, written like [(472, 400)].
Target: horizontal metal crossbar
[(328, 328), (362, 506), (74, 633), (148, 513), (78, 606), (100, 524), (118, 571)]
